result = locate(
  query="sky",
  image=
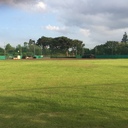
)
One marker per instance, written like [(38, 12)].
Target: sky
[(92, 21)]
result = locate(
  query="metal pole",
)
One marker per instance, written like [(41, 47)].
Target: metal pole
[(76, 51), (41, 49), (4, 50), (34, 46)]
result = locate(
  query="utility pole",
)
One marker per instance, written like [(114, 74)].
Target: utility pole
[(34, 46), (41, 49), (76, 50), (95, 50), (112, 48), (4, 50)]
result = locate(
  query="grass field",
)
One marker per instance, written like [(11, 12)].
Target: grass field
[(64, 93)]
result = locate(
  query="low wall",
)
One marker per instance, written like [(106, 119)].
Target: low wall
[(112, 56), (2, 57)]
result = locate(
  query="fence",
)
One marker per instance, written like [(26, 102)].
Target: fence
[(38, 56), (2, 57), (111, 56)]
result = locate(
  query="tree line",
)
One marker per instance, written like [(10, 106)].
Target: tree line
[(28, 49), (112, 47), (64, 46), (59, 46)]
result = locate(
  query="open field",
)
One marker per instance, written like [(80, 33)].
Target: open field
[(64, 93)]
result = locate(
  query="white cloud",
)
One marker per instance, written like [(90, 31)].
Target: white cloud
[(85, 32), (52, 28), (40, 6), (36, 6), (62, 30), (29, 5)]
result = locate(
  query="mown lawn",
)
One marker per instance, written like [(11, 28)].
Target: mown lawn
[(64, 94)]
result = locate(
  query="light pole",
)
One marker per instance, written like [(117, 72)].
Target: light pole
[(34, 46), (76, 50), (4, 50)]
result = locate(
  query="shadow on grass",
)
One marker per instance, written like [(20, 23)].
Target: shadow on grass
[(28, 112), (63, 87)]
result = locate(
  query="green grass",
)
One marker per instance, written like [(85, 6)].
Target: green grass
[(64, 94)]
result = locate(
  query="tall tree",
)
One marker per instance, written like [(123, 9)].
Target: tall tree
[(31, 47), (61, 45), (18, 50), (45, 43), (77, 47), (9, 49), (109, 48), (1, 51), (125, 38)]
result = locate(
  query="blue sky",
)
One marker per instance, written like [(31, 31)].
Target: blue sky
[(19, 25), (93, 22)]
